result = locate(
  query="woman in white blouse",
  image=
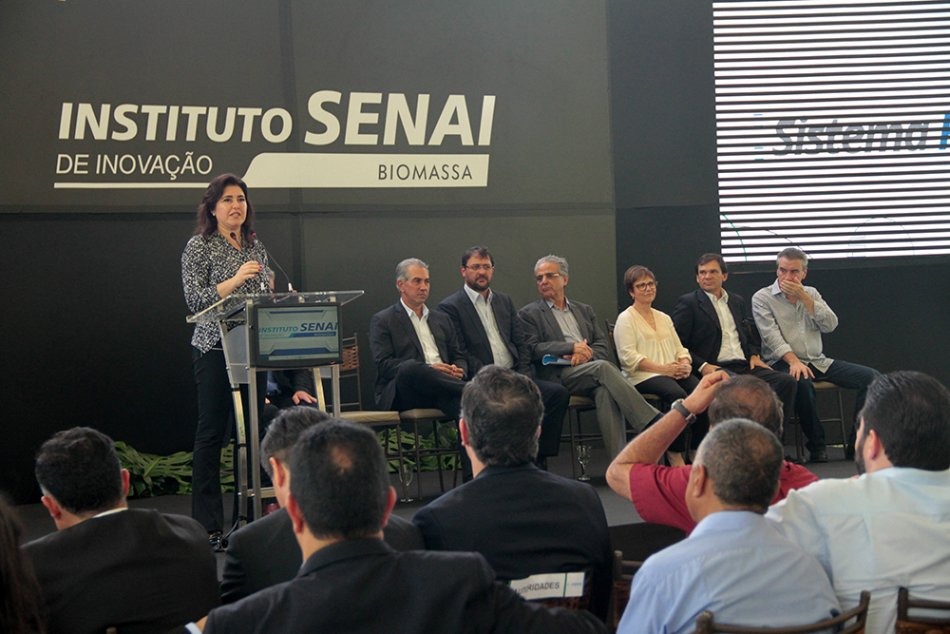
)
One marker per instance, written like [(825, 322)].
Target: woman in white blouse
[(650, 352)]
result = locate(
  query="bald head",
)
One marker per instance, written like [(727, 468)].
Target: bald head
[(749, 397)]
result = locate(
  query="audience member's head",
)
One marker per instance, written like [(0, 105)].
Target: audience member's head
[(502, 411), (282, 434), (909, 413), (79, 469), (340, 482), (747, 396), (19, 592), (742, 460)]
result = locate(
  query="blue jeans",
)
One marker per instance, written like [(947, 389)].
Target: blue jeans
[(848, 375)]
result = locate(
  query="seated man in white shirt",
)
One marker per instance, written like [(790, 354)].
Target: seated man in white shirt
[(891, 526), (488, 325), (419, 362)]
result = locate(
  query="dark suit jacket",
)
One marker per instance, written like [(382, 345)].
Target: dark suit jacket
[(470, 331), (524, 521), (137, 570), (699, 329), (265, 553), (394, 341), (290, 381), (363, 586), (544, 335)]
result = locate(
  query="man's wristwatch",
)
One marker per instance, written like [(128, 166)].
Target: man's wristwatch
[(679, 407)]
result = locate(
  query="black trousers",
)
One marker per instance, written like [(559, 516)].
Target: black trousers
[(670, 389), (215, 425), (556, 399)]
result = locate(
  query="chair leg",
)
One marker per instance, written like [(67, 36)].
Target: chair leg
[(401, 456), (418, 450), (845, 435), (799, 448), (457, 458), (571, 417), (438, 453)]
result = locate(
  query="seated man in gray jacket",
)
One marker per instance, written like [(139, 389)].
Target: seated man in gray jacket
[(569, 346)]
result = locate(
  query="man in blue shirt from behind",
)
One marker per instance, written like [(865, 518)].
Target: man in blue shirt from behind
[(734, 563)]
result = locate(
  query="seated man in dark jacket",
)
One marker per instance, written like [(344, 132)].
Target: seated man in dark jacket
[(107, 565), (352, 581), (265, 553), (525, 521)]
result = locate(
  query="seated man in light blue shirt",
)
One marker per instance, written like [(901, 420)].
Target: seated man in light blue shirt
[(734, 563), (791, 318)]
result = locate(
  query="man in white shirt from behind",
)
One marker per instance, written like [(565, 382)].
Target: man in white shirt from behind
[(890, 527)]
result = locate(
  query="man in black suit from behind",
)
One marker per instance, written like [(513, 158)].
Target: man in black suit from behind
[(352, 581), (524, 521), (718, 329), (107, 565), (487, 322), (265, 553)]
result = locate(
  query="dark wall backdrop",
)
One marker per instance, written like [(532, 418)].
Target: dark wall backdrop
[(93, 323)]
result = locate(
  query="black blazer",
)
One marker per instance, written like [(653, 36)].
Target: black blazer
[(544, 335), (265, 553), (697, 324), (470, 331), (136, 570), (363, 586), (393, 341), (524, 521)]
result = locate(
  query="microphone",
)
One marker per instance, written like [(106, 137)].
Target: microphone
[(265, 282), (290, 286)]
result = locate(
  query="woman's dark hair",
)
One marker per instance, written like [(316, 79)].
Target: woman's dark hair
[(207, 223), (19, 592)]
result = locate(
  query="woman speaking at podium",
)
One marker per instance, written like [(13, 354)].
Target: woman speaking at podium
[(223, 257)]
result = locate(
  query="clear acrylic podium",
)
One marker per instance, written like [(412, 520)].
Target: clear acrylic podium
[(272, 331)]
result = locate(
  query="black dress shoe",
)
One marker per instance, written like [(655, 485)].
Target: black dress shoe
[(818, 455), (217, 541)]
